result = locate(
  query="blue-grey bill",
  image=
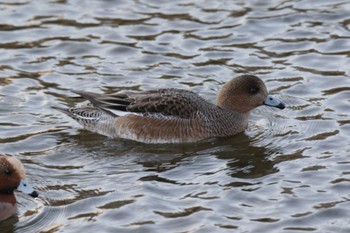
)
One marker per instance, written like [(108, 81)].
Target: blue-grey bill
[(273, 102), (27, 188)]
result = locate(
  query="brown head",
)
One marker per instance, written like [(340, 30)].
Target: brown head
[(244, 93), (12, 176)]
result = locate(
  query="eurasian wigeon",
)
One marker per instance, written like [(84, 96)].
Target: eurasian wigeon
[(173, 115), (12, 176)]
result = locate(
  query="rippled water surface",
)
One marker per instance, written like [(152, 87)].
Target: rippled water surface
[(290, 170)]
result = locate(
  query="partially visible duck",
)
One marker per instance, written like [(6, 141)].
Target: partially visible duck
[(12, 176), (173, 115)]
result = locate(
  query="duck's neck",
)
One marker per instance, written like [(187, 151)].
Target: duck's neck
[(8, 205), (7, 197), (228, 123)]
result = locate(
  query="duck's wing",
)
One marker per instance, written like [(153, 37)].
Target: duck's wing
[(154, 103)]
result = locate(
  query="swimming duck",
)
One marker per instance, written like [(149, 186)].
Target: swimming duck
[(12, 176), (173, 115)]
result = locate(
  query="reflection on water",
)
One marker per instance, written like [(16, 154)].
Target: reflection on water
[(289, 172)]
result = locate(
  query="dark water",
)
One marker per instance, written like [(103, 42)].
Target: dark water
[(289, 172)]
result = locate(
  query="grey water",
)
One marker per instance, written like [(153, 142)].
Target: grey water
[(288, 172)]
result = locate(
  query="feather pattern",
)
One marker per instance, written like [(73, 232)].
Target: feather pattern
[(161, 102)]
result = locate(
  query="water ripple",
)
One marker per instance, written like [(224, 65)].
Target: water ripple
[(286, 172)]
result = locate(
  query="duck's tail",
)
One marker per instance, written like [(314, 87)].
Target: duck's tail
[(92, 118)]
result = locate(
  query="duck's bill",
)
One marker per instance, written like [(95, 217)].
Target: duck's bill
[(27, 188), (272, 102)]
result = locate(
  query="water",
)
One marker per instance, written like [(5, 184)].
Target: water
[(289, 172)]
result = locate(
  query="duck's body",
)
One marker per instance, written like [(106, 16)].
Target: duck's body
[(12, 176), (172, 115)]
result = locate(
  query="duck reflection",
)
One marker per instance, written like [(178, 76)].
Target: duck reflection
[(243, 159)]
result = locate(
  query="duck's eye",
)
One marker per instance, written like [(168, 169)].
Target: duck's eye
[(7, 172), (254, 90)]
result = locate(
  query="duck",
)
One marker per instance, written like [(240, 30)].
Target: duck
[(12, 176), (170, 115)]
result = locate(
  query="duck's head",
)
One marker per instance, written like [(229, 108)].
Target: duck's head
[(12, 176), (244, 93)]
